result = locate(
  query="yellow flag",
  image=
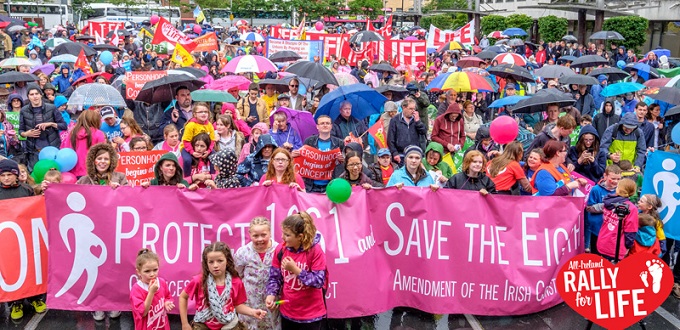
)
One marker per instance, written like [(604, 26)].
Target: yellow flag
[(181, 56)]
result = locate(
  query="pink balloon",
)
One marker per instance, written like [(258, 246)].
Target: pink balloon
[(68, 177), (319, 26), (197, 29), (154, 19), (504, 129)]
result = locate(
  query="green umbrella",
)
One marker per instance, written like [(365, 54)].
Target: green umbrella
[(207, 95), (54, 42)]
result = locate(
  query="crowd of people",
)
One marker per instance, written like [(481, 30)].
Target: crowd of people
[(214, 145)]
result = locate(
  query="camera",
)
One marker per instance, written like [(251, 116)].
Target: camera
[(621, 209), (590, 150)]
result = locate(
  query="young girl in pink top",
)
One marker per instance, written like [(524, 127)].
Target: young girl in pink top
[(150, 298), (606, 241), (218, 292), (298, 275)]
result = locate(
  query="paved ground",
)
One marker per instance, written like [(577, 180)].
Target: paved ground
[(560, 317)]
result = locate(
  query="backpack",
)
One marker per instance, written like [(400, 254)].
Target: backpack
[(324, 288)]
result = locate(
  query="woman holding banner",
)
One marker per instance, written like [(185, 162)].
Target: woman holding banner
[(281, 170), (552, 178), (354, 172), (472, 175), (413, 173)]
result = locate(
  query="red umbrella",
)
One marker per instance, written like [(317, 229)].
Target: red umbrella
[(469, 61), (91, 77), (510, 58), (496, 35), (660, 82)]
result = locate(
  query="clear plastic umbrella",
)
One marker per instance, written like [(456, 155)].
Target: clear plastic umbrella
[(95, 94)]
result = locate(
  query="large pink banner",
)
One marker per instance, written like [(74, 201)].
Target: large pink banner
[(448, 251)]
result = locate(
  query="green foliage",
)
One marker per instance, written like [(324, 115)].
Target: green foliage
[(248, 8), (492, 23), (552, 28), (371, 8), (210, 4), (633, 28), (445, 4), (445, 21), (81, 9), (522, 21), (314, 9)]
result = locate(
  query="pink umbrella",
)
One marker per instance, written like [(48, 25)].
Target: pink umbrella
[(510, 58), (469, 61), (229, 82), (410, 38), (249, 63)]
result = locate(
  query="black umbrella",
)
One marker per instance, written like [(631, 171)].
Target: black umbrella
[(398, 92), (578, 79), (666, 94), (607, 35), (531, 45), (674, 111), (15, 76), (542, 98), (567, 58), (109, 47), (122, 33), (163, 90), (384, 67), (73, 48), (588, 61), (285, 56), (280, 85), (569, 38), (613, 74), (496, 49), (196, 72), (313, 70), (85, 37), (487, 55), (511, 71), (553, 71), (365, 36)]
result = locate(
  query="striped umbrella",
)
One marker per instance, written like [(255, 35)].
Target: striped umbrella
[(496, 35), (240, 22), (249, 63), (252, 36), (510, 58), (451, 45), (460, 82)]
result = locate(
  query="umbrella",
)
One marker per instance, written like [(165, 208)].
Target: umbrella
[(196, 72), (501, 42), (451, 45), (531, 45), (91, 77), (553, 71), (588, 61), (163, 90), (566, 58), (280, 85), (365, 101), (496, 49), (607, 35), (65, 58), (621, 88), (54, 42), (515, 42), (460, 82), (487, 55), (508, 100), (45, 68), (252, 36), (411, 38), (479, 71), (496, 35), (103, 47), (11, 20), (15, 28), (249, 63), (306, 82), (85, 37), (674, 111), (512, 32), (469, 61), (73, 48), (95, 94), (659, 82), (398, 92), (313, 70), (569, 38), (666, 94), (284, 56), (613, 74), (15, 76), (208, 95), (512, 71), (645, 71), (365, 36), (121, 32), (230, 82), (240, 22), (510, 58), (384, 67), (578, 79), (13, 62), (301, 121), (345, 78), (542, 98)]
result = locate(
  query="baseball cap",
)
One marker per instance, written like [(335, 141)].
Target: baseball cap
[(107, 112), (383, 152), (283, 97), (510, 86)]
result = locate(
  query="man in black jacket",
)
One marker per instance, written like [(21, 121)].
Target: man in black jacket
[(40, 124), (406, 129)]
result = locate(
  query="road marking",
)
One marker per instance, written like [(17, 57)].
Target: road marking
[(473, 322), (668, 316), (35, 320)]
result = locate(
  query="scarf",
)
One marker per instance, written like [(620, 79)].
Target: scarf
[(217, 302)]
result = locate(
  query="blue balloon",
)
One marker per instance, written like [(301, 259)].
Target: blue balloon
[(106, 57), (49, 153), (67, 159), (621, 64), (675, 134)]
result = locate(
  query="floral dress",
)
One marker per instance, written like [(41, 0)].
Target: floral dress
[(254, 273)]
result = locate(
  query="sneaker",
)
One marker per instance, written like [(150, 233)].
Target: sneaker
[(39, 305), (17, 311), (98, 316), (114, 314)]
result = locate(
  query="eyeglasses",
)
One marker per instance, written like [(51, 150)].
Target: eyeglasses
[(280, 160), (353, 165), (293, 86)]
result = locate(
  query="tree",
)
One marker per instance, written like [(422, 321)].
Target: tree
[(632, 28), (522, 21), (442, 21), (81, 8), (492, 23), (316, 9), (552, 28), (249, 8), (445, 4), (370, 8)]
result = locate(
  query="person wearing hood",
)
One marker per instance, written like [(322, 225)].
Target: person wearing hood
[(101, 162), (422, 102), (449, 129), (412, 174), (33, 58), (596, 90), (586, 155), (168, 172), (620, 55), (63, 81), (485, 144), (606, 241), (14, 102), (60, 103), (606, 117), (434, 164), (624, 141), (406, 130), (225, 162), (645, 238), (84, 135), (40, 124), (255, 165), (585, 103), (629, 103), (250, 146), (50, 92)]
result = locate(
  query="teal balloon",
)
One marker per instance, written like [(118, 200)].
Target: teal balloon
[(41, 167), (675, 134), (106, 57), (49, 153), (338, 190), (67, 159)]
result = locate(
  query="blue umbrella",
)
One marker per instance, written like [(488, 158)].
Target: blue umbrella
[(567, 58), (512, 32), (621, 88), (643, 70), (365, 101), (508, 100)]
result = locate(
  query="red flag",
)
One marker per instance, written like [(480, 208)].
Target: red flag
[(377, 131), (166, 32), (369, 25), (82, 62), (386, 31)]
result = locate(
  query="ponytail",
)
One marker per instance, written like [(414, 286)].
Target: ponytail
[(301, 223)]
